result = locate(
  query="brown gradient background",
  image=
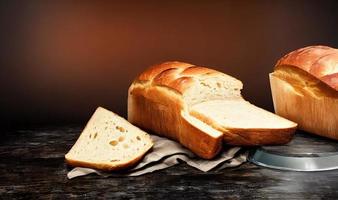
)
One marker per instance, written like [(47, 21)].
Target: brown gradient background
[(59, 60)]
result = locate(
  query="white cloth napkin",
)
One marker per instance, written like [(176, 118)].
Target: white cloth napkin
[(166, 153)]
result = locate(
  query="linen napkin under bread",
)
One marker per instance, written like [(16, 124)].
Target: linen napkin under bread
[(166, 153)]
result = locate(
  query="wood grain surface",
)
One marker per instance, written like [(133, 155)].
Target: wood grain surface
[(32, 167)]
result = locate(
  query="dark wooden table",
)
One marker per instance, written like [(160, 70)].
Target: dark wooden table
[(32, 166)]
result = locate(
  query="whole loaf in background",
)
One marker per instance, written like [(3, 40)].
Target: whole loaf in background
[(304, 88)]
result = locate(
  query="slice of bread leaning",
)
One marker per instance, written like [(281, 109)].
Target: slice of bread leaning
[(201, 108), (108, 142), (244, 123)]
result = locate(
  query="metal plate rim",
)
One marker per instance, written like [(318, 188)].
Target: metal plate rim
[(252, 159)]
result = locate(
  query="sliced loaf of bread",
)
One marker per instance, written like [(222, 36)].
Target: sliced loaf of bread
[(109, 142), (202, 109)]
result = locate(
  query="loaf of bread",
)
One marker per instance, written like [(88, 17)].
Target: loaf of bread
[(108, 142), (202, 109), (304, 88)]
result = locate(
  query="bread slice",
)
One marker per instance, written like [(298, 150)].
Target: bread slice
[(108, 142), (242, 122)]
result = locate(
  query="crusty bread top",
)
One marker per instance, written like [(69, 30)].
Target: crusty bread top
[(319, 61), (175, 75), (188, 83)]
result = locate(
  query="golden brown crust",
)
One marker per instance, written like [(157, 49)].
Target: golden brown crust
[(258, 137), (155, 102), (320, 61), (304, 87), (304, 82), (201, 143), (174, 75), (332, 80), (162, 115), (105, 166), (154, 70), (315, 110)]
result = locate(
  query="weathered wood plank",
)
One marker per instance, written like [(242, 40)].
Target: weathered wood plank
[(32, 166)]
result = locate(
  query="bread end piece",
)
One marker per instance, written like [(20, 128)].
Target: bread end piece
[(108, 143)]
